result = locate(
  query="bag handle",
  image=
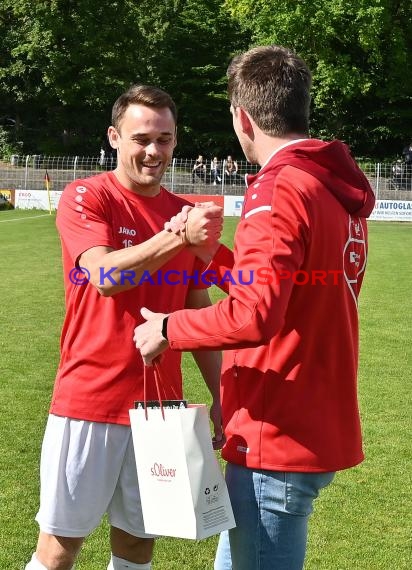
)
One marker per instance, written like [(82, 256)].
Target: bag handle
[(158, 383)]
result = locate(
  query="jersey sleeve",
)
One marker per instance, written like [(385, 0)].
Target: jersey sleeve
[(218, 268), (198, 270), (81, 219), (269, 245)]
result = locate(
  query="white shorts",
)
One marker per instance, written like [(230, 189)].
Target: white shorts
[(86, 470)]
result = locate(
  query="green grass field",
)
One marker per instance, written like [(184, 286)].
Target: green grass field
[(362, 521)]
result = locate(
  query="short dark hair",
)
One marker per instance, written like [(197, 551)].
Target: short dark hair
[(272, 83), (146, 95)]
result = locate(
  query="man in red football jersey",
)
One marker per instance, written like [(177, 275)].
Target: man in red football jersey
[(114, 250), (290, 336)]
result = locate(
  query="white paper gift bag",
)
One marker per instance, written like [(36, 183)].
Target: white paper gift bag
[(182, 488)]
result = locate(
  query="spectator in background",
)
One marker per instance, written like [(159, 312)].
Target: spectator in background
[(397, 173), (407, 154), (231, 170), (215, 171), (102, 159), (199, 169), (407, 174)]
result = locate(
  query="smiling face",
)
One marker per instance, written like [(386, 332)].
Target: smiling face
[(145, 142)]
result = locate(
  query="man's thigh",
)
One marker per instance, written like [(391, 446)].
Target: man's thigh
[(79, 471), (125, 508), (271, 510)]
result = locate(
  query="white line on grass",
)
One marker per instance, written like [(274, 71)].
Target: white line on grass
[(25, 218)]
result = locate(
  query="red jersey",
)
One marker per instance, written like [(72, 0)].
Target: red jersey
[(100, 374), (289, 326)]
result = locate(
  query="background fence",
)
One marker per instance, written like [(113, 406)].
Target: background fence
[(390, 181)]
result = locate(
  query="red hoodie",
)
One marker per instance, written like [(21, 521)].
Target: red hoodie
[(289, 325)]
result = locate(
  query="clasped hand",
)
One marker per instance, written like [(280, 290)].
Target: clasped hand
[(200, 225)]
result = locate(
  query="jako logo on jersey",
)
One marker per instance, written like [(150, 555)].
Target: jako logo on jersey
[(126, 231)]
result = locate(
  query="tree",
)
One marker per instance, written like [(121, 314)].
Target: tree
[(66, 61), (359, 53), (188, 46)]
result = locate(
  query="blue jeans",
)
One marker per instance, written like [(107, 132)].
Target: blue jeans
[(271, 510)]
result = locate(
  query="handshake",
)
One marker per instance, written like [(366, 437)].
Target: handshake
[(200, 227)]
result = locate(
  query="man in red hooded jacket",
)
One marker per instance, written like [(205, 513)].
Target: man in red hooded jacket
[(289, 325)]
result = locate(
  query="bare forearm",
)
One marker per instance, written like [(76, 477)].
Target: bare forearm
[(209, 364), (206, 252), (112, 271), (120, 270)]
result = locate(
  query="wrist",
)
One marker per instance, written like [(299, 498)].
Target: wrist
[(180, 233), (164, 328)]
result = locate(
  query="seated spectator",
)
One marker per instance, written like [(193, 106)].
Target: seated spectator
[(407, 154), (398, 174), (231, 170), (102, 159), (199, 169), (215, 171)]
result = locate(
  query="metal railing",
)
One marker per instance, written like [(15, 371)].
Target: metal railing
[(391, 181)]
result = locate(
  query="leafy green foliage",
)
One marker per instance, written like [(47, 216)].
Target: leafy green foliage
[(359, 52), (8, 145), (64, 62), (67, 62)]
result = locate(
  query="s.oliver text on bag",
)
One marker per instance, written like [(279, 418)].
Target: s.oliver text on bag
[(158, 470)]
